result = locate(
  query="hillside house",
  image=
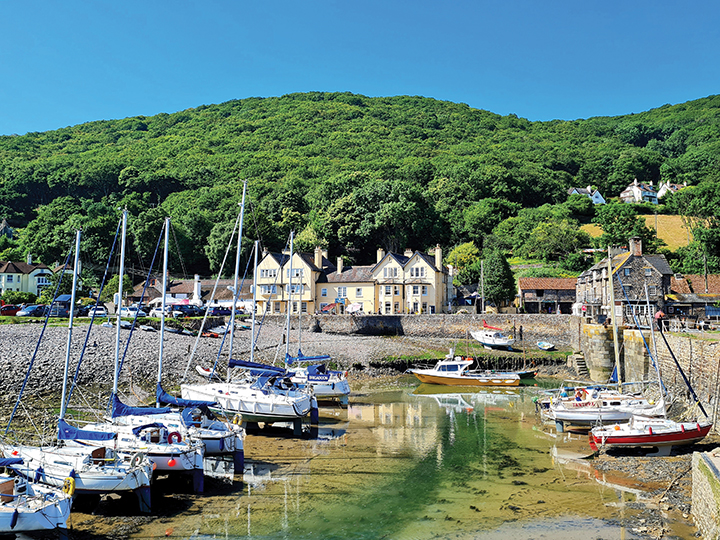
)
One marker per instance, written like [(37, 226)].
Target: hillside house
[(639, 192), (667, 187), (593, 194), (24, 277)]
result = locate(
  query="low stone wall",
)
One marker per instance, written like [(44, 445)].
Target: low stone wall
[(706, 494), (562, 330)]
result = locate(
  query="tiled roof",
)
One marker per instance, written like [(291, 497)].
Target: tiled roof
[(11, 267), (697, 283), (560, 284), (351, 274)]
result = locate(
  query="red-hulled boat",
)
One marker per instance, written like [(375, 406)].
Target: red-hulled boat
[(643, 431)]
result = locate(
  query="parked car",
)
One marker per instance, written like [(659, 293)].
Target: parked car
[(169, 312), (98, 311), (219, 311), (131, 312), (34, 310), (9, 310), (83, 311), (187, 310), (57, 310)]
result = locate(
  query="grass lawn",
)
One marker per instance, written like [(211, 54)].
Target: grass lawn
[(670, 229)]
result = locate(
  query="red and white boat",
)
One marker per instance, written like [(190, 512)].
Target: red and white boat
[(642, 431)]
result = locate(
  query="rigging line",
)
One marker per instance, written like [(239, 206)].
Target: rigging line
[(180, 257), (42, 333), (212, 297), (637, 324), (132, 327), (257, 229), (92, 318)]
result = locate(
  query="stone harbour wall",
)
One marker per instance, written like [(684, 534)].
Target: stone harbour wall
[(706, 494)]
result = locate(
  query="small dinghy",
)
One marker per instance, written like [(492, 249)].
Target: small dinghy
[(545, 346)]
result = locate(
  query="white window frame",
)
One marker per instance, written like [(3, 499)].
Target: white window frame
[(323, 292), (9, 278), (390, 272), (388, 290), (415, 290), (424, 290), (342, 292), (296, 273), (358, 292)]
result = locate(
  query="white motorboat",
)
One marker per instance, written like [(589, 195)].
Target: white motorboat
[(325, 383), (30, 507), (492, 338)]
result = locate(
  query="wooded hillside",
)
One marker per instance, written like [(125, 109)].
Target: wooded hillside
[(349, 172)]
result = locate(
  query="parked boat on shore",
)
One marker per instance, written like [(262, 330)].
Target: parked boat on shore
[(492, 338), (455, 371)]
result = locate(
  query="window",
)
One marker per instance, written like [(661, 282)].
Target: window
[(424, 290), (626, 271), (652, 290), (342, 292), (416, 306), (388, 290), (397, 290), (268, 289), (296, 289), (296, 272), (358, 292), (268, 273), (276, 307), (648, 272), (9, 279), (540, 293), (416, 289), (323, 292), (424, 307), (43, 280), (417, 271), (304, 307), (397, 307), (390, 272), (388, 308), (295, 307)]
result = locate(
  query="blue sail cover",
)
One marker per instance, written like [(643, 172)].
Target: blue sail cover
[(290, 360), (67, 432), (137, 430), (6, 462), (254, 365), (120, 409), (164, 397)]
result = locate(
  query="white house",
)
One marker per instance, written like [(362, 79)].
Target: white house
[(638, 192), (594, 194)]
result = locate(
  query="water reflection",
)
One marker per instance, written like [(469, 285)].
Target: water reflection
[(413, 463)]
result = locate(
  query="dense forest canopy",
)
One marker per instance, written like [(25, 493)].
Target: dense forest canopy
[(350, 173)]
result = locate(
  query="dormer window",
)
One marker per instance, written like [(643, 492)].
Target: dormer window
[(648, 272)]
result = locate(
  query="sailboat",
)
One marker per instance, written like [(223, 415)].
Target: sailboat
[(306, 371), (642, 431), (167, 451), (30, 507), (258, 394), (194, 421), (86, 471)]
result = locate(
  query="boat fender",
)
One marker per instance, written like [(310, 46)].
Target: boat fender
[(682, 428), (650, 430), (136, 459), (38, 474), (236, 419), (69, 486), (174, 437), (14, 518), (698, 426)]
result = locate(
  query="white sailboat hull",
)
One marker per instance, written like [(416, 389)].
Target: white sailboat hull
[(41, 508)]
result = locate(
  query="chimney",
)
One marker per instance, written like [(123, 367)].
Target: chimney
[(325, 253), (29, 258), (197, 289), (380, 254), (438, 257), (635, 182), (636, 247), (339, 265), (408, 253), (318, 257), (265, 253), (590, 190), (651, 182)]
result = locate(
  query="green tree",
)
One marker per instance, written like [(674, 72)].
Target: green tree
[(111, 288), (483, 216), (499, 282), (619, 223)]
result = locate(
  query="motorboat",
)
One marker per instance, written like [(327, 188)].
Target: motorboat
[(325, 383), (455, 371), (30, 507), (492, 338), (642, 431)]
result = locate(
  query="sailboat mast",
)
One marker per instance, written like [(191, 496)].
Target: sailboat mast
[(611, 293), (236, 293), (119, 302), (76, 271), (163, 304), (254, 300), (289, 302)]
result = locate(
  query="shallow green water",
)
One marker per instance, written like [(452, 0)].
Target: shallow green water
[(406, 462)]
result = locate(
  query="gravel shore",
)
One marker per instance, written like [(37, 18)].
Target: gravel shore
[(19, 342)]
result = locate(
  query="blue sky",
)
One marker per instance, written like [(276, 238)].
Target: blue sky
[(68, 62)]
